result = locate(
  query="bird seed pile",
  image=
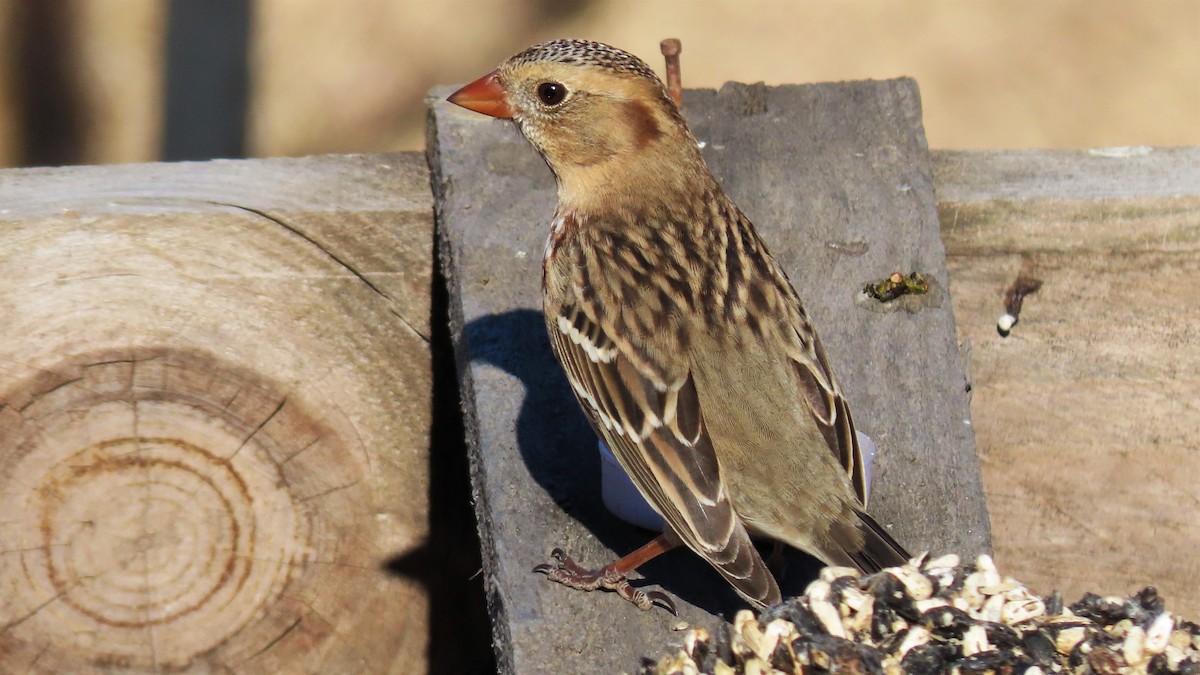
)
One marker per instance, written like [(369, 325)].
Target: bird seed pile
[(940, 616)]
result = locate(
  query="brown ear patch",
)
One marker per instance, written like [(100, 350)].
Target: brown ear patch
[(641, 121)]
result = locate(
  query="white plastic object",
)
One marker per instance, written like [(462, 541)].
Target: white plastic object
[(867, 446), (620, 495)]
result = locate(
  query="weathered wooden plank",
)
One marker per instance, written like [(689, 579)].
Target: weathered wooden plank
[(1084, 498), (214, 416), (837, 179), (1085, 417), (1098, 173)]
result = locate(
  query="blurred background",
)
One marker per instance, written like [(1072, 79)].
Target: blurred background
[(99, 81), (106, 81)]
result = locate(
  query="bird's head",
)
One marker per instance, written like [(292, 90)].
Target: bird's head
[(600, 117)]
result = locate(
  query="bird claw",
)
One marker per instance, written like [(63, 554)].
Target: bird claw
[(563, 562), (566, 571), (662, 600)]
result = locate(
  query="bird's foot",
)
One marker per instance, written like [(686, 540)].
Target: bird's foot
[(567, 572)]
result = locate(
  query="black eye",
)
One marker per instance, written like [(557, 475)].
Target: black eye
[(551, 93)]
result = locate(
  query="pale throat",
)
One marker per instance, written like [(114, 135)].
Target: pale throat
[(640, 178)]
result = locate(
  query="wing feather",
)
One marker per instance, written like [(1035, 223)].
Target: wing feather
[(657, 433), (829, 408)]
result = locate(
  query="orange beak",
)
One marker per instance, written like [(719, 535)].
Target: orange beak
[(484, 95)]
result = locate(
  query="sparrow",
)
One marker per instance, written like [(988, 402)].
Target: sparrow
[(682, 337)]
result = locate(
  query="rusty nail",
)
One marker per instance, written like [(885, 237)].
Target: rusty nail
[(671, 47)]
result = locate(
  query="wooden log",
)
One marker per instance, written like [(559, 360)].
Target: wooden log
[(130, 293), (214, 416), (837, 179), (1086, 416)]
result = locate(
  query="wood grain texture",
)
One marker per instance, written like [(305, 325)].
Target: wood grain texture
[(214, 416), (1086, 418), (836, 178)]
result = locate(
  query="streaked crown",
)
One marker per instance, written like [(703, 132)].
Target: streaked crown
[(586, 53)]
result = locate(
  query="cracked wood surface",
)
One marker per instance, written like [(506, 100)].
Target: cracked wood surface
[(215, 396)]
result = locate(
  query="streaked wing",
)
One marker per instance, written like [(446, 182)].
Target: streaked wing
[(777, 299), (828, 406), (656, 430)]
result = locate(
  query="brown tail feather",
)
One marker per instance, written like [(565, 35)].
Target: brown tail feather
[(745, 570), (879, 549)]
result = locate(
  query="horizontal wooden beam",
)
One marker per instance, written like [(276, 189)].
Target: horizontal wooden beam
[(1085, 417), (306, 282)]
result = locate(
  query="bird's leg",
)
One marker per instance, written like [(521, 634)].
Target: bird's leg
[(567, 572)]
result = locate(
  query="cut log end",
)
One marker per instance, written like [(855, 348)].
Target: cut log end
[(214, 418), (157, 504)]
